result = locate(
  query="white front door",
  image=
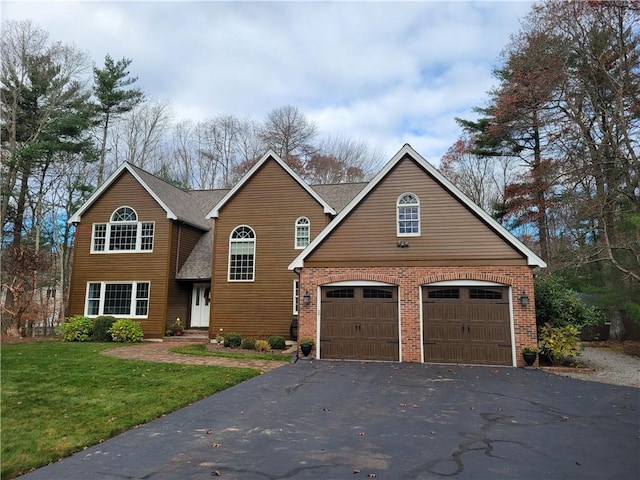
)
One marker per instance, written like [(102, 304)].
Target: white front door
[(200, 300)]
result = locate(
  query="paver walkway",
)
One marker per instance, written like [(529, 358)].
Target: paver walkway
[(159, 352)]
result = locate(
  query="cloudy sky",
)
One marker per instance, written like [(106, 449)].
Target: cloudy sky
[(388, 73)]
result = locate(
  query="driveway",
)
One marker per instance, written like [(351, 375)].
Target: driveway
[(350, 420)]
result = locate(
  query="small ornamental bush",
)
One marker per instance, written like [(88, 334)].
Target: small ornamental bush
[(232, 340), (248, 343), (101, 326), (76, 329), (126, 330), (263, 346), (559, 343), (277, 343)]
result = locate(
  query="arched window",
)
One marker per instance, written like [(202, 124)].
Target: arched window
[(124, 233), (303, 232), (408, 208), (242, 249), (124, 214)]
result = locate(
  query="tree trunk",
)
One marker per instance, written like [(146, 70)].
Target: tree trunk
[(617, 331)]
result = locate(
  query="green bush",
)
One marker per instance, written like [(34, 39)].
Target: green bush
[(559, 343), (277, 342), (76, 329), (101, 326), (263, 346), (248, 343), (126, 330), (558, 305), (232, 340)]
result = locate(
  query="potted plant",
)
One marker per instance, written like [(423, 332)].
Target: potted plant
[(177, 328), (306, 344), (529, 353)]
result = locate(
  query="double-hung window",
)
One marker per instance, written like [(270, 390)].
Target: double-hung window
[(121, 299), (242, 251), (303, 232), (408, 215), (124, 233)]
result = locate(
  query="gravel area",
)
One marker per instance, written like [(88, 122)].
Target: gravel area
[(610, 367)]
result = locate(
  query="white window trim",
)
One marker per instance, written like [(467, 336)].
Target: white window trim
[(295, 232), (107, 239), (296, 296), (231, 239), (416, 234), (134, 298)]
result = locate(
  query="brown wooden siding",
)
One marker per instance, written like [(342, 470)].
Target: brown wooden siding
[(269, 202), (183, 240), (450, 233), (101, 267)]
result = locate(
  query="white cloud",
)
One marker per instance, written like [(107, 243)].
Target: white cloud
[(385, 72)]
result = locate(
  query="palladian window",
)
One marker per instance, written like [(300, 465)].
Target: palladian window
[(123, 233)]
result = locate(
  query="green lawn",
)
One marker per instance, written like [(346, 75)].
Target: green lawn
[(201, 350), (58, 398)]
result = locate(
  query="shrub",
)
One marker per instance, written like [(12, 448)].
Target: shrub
[(559, 343), (263, 346), (248, 343), (277, 342), (101, 326), (76, 329), (232, 340), (126, 330), (558, 305)]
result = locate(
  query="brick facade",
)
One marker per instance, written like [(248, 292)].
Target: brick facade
[(409, 281)]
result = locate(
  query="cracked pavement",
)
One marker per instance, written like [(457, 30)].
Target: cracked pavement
[(337, 420)]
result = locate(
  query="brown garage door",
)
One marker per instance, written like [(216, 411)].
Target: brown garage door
[(466, 325), (359, 323)]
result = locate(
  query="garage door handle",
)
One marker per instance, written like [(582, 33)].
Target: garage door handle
[(508, 345)]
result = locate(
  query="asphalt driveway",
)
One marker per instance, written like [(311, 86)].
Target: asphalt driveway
[(350, 420)]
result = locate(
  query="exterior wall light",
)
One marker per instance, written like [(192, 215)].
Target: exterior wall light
[(524, 299), (306, 299)]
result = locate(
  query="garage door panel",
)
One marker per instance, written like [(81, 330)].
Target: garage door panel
[(443, 331), (337, 328), (363, 326), (467, 325), (449, 353)]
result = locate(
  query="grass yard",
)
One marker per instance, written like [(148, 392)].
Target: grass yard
[(203, 351), (58, 398)]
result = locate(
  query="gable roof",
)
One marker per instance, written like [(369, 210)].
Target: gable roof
[(177, 203), (338, 195), (407, 150), (270, 155)]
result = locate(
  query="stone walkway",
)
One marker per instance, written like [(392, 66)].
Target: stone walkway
[(159, 352)]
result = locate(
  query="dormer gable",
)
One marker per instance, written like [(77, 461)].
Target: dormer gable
[(269, 156)]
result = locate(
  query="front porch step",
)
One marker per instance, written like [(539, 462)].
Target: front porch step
[(191, 336)]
